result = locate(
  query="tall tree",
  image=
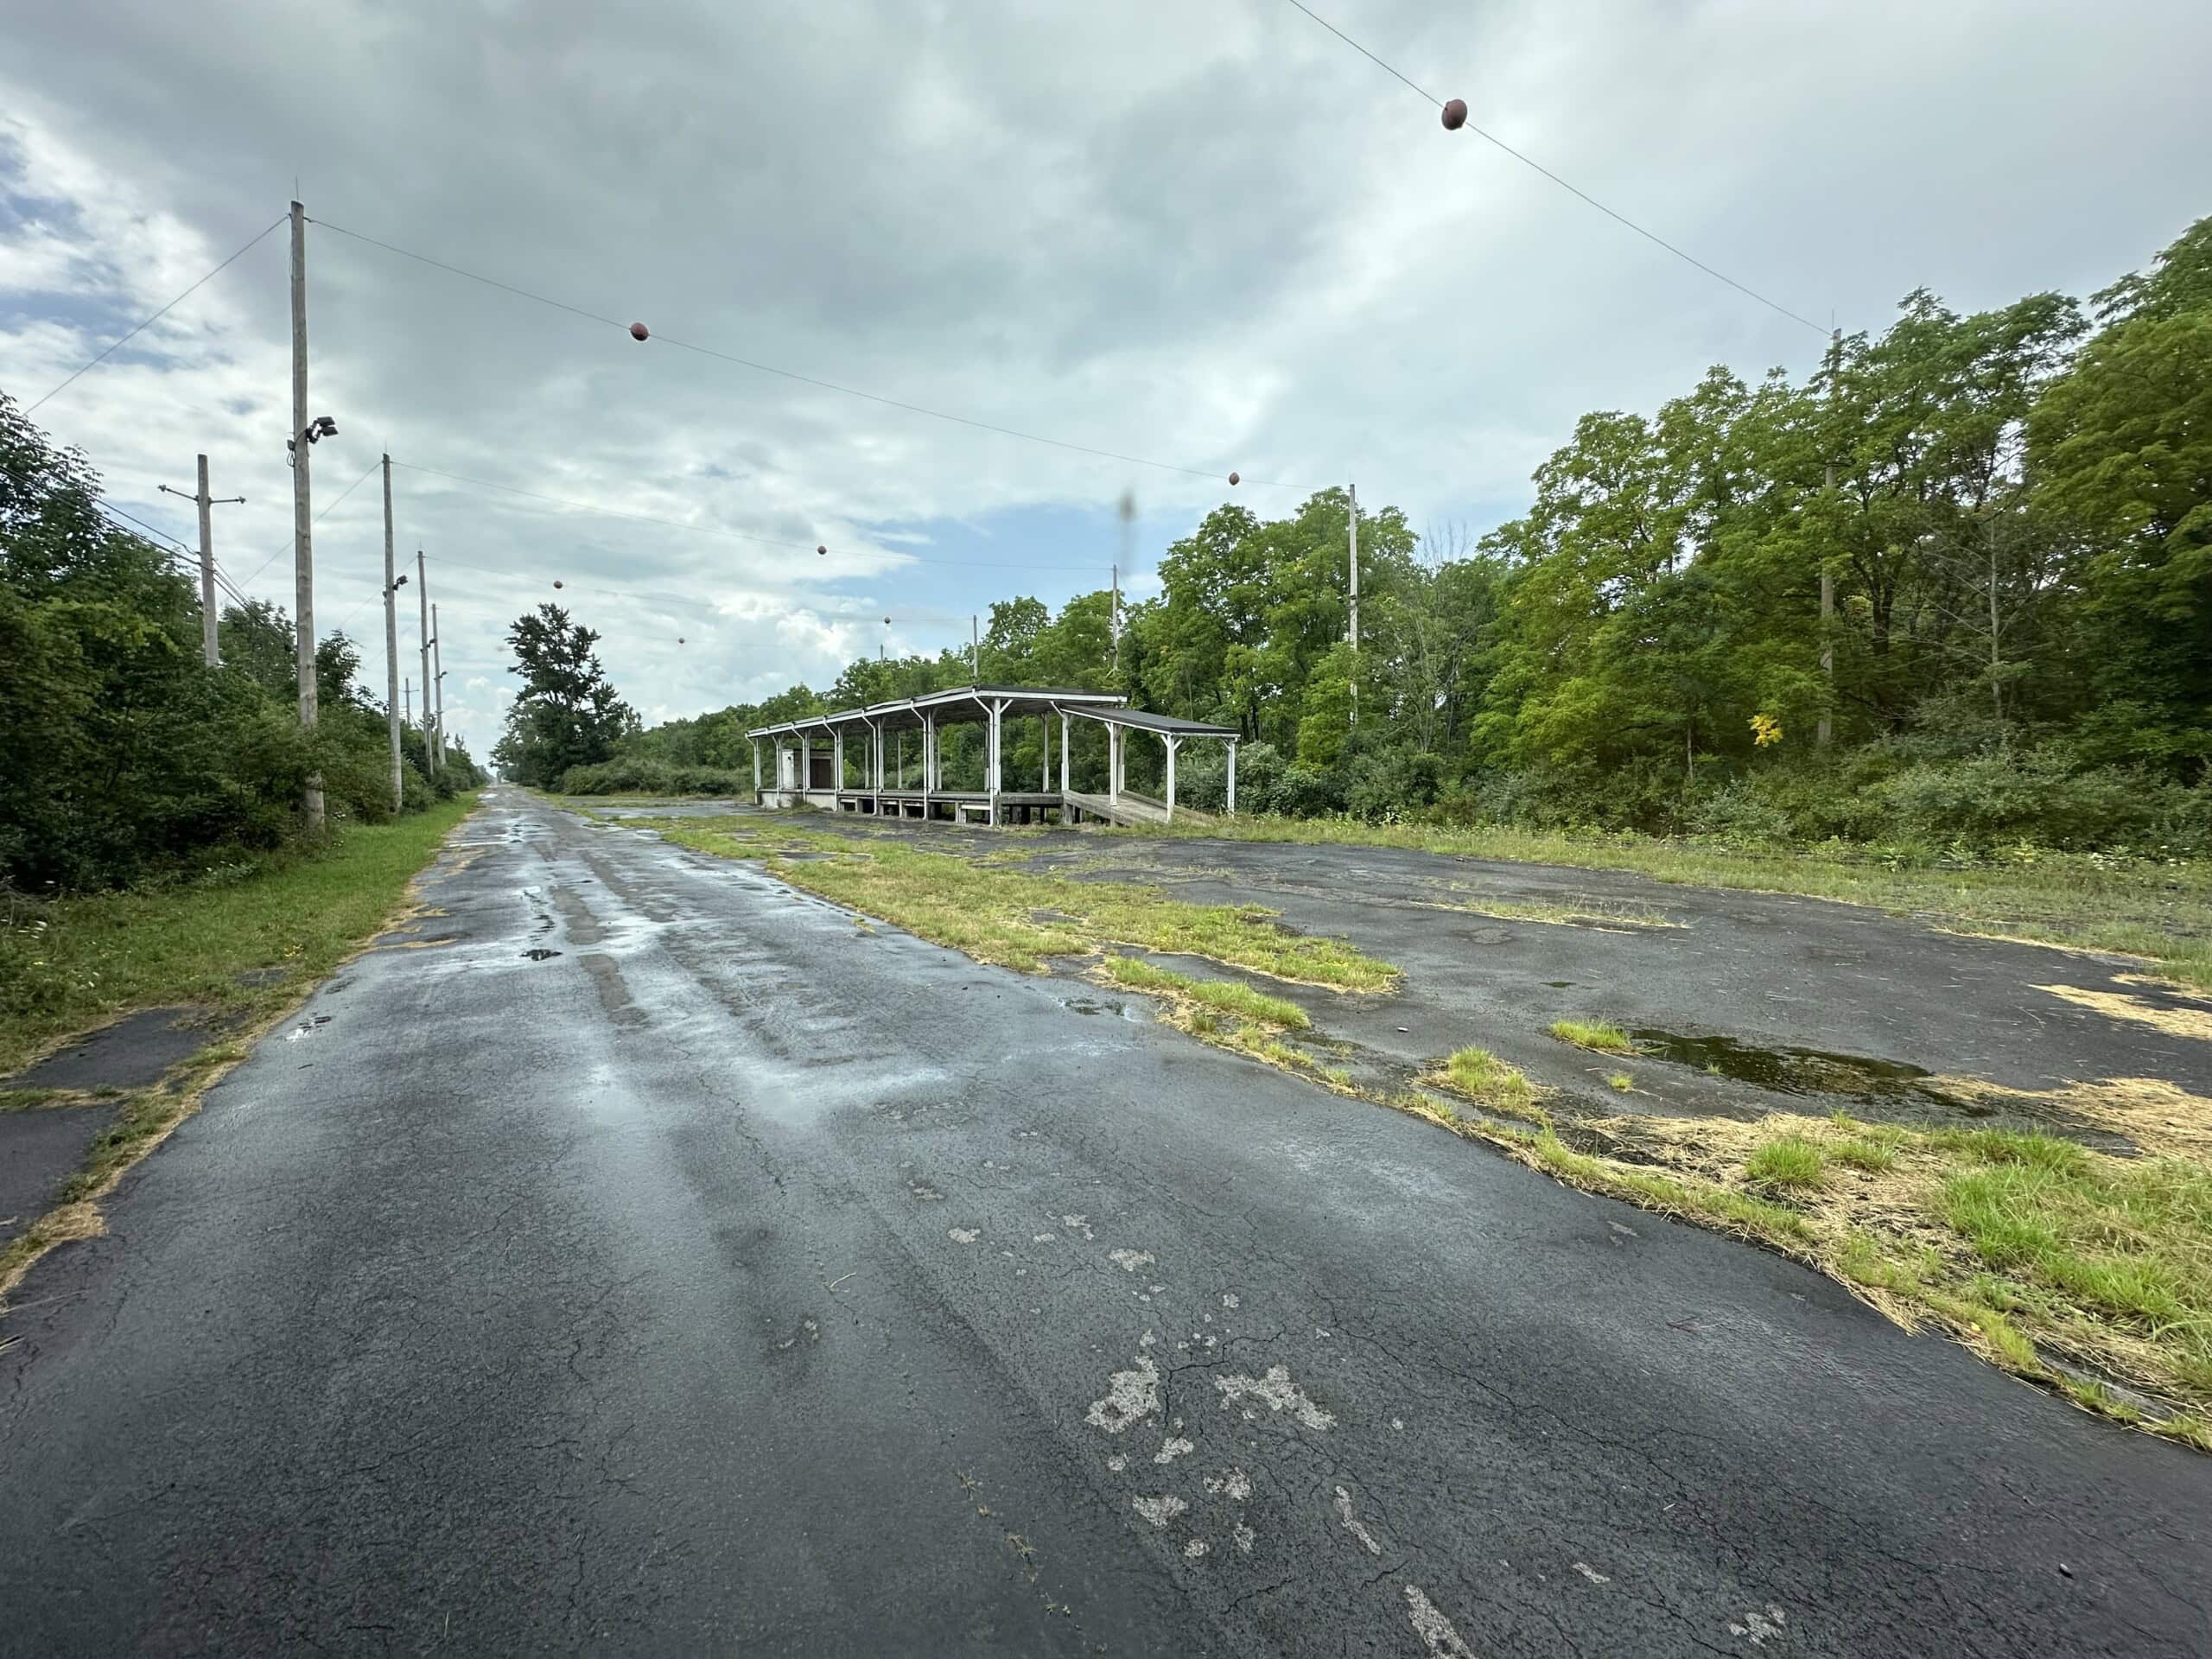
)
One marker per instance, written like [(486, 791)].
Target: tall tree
[(567, 713)]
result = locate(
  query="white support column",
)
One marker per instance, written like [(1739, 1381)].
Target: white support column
[(1232, 777), (991, 784), (756, 772), (837, 763), (1063, 754), (1171, 746), (929, 761), (804, 766), (1112, 763)]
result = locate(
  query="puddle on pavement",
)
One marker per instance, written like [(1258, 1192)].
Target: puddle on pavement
[(1789, 1070), (539, 953), (1087, 1005)]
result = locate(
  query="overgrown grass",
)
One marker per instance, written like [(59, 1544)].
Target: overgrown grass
[(1018, 918), (72, 964), (1596, 1035), (2035, 1248), (1225, 997), (1485, 1079), (2095, 1237), (1788, 1163), (1620, 1081), (2163, 911)]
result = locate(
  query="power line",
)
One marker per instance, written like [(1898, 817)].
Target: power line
[(792, 374), (318, 518), (715, 530), (178, 550), (1530, 162), (131, 525), (163, 312), (672, 603)]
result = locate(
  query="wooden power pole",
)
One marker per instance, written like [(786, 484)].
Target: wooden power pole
[(211, 646), (438, 683), (303, 513), (391, 650), (423, 598)]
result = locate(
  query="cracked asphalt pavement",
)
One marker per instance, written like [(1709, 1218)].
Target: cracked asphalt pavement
[(640, 1255)]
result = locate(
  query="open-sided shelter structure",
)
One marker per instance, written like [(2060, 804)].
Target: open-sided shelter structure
[(812, 756)]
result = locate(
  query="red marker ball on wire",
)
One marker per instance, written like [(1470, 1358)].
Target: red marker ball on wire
[(1455, 117), (1232, 479), (639, 331)]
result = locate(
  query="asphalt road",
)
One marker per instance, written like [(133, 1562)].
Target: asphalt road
[(743, 1279)]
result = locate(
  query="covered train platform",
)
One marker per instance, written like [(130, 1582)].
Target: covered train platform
[(897, 750)]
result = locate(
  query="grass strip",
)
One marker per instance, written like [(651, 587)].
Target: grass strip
[(1225, 996), (69, 965), (1596, 1035), (1478, 1075), (1018, 918)]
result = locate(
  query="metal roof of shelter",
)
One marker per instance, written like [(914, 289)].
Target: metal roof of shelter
[(1166, 725), (955, 703)]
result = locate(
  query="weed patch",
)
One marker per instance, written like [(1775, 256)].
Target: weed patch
[(1597, 1035), (989, 912), (1788, 1163), (1481, 1076), (1223, 996)]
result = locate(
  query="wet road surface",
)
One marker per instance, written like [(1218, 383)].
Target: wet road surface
[(651, 1258)]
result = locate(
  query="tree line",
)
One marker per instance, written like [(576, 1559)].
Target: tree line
[(2011, 511), (122, 755)]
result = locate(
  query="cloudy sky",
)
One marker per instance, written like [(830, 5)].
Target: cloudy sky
[(1204, 232)]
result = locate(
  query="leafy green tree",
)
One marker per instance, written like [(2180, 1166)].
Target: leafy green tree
[(567, 713), (2122, 447)]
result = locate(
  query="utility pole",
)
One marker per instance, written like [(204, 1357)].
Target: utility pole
[(1128, 513), (422, 597), (210, 638), (976, 647), (302, 514), (407, 701), (1828, 577), (1352, 518), (1114, 624), (438, 685), (391, 647)]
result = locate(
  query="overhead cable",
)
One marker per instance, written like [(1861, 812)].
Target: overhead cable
[(792, 374), (118, 344), (716, 530), (1529, 160)]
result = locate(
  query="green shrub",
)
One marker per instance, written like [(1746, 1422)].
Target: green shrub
[(633, 775)]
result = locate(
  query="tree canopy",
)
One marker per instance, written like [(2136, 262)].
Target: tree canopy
[(121, 753)]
